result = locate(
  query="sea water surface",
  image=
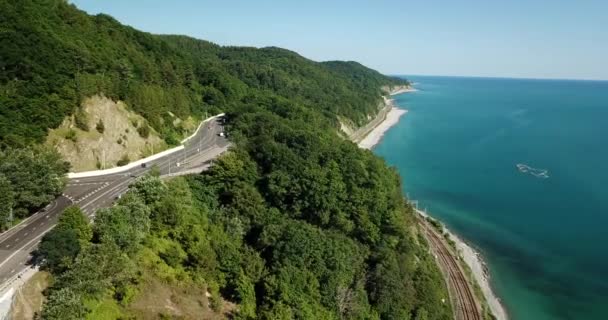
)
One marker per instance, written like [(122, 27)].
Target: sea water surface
[(542, 226)]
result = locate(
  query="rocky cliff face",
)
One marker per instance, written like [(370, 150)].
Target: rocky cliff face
[(111, 127)]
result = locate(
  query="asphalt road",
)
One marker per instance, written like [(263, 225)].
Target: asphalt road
[(93, 193)]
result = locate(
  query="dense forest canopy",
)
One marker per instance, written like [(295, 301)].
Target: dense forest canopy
[(295, 222), (54, 55)]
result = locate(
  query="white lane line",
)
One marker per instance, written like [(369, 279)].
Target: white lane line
[(108, 192), (16, 228), (25, 245)]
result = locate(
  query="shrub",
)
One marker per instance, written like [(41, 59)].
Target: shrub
[(144, 131), (100, 127), (171, 140), (71, 135), (123, 161), (81, 120)]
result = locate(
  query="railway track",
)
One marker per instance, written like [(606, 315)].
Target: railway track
[(464, 303)]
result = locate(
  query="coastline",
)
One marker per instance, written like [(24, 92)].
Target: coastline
[(391, 118), (374, 137), (474, 261), (467, 254), (403, 89)]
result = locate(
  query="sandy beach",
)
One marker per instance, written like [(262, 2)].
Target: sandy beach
[(400, 90), (391, 119), (372, 138), (471, 257)]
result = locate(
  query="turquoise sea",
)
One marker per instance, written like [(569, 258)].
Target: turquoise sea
[(542, 227)]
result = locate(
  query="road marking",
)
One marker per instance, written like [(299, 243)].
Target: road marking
[(25, 245), (16, 227), (118, 189)]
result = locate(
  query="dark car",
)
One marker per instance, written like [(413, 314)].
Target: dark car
[(144, 165)]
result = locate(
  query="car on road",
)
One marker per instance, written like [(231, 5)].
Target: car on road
[(221, 134), (144, 165)]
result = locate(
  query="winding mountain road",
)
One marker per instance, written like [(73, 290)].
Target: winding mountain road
[(94, 193)]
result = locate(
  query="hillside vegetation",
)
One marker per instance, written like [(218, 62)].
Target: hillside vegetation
[(54, 56), (30, 178), (294, 223)]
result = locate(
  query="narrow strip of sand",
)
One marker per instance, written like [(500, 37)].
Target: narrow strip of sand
[(372, 138), (403, 90), (391, 119), (475, 262)]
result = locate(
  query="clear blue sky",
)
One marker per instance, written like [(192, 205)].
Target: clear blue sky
[(515, 38)]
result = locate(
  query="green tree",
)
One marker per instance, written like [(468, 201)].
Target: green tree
[(6, 202), (36, 174), (73, 218), (124, 225), (150, 189), (64, 304), (58, 249)]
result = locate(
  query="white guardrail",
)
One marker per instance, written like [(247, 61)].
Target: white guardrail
[(94, 173)]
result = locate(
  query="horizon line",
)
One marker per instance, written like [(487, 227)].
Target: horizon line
[(497, 77)]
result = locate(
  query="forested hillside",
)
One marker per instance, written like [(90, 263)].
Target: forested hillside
[(295, 222), (53, 56), (29, 179)]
